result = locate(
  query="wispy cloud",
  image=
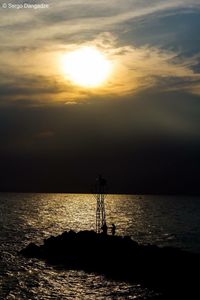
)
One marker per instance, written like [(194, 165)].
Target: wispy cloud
[(33, 41), (66, 18)]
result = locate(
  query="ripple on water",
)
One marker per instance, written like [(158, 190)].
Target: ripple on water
[(33, 217)]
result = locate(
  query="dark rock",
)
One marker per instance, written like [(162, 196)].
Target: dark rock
[(169, 270), (30, 250)]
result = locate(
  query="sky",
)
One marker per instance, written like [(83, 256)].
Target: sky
[(140, 128)]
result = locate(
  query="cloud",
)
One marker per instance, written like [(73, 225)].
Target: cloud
[(138, 68), (32, 43), (146, 116), (40, 78), (71, 103), (68, 18)]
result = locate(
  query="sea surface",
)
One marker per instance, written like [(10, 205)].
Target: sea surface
[(25, 218)]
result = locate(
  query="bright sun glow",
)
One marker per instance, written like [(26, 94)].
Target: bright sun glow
[(86, 67)]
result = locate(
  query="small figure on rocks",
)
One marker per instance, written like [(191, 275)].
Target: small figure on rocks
[(104, 229), (113, 229)]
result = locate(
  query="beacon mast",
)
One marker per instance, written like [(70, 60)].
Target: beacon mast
[(100, 190)]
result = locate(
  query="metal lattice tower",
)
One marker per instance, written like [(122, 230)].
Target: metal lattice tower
[(100, 209)]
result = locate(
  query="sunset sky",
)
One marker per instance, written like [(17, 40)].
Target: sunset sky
[(139, 125)]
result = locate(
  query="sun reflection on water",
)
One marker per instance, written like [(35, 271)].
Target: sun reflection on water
[(29, 218)]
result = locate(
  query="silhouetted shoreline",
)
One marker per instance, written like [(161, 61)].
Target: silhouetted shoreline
[(170, 271)]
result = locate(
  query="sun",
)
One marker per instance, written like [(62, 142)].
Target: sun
[(86, 67)]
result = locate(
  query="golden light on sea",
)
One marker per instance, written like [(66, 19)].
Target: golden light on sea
[(86, 67)]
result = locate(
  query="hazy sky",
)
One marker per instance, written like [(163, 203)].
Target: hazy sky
[(141, 128)]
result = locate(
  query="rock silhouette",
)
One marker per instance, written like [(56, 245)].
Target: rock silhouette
[(170, 271)]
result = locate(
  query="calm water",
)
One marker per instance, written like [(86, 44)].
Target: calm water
[(162, 220)]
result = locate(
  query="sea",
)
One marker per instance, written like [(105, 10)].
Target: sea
[(24, 218)]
